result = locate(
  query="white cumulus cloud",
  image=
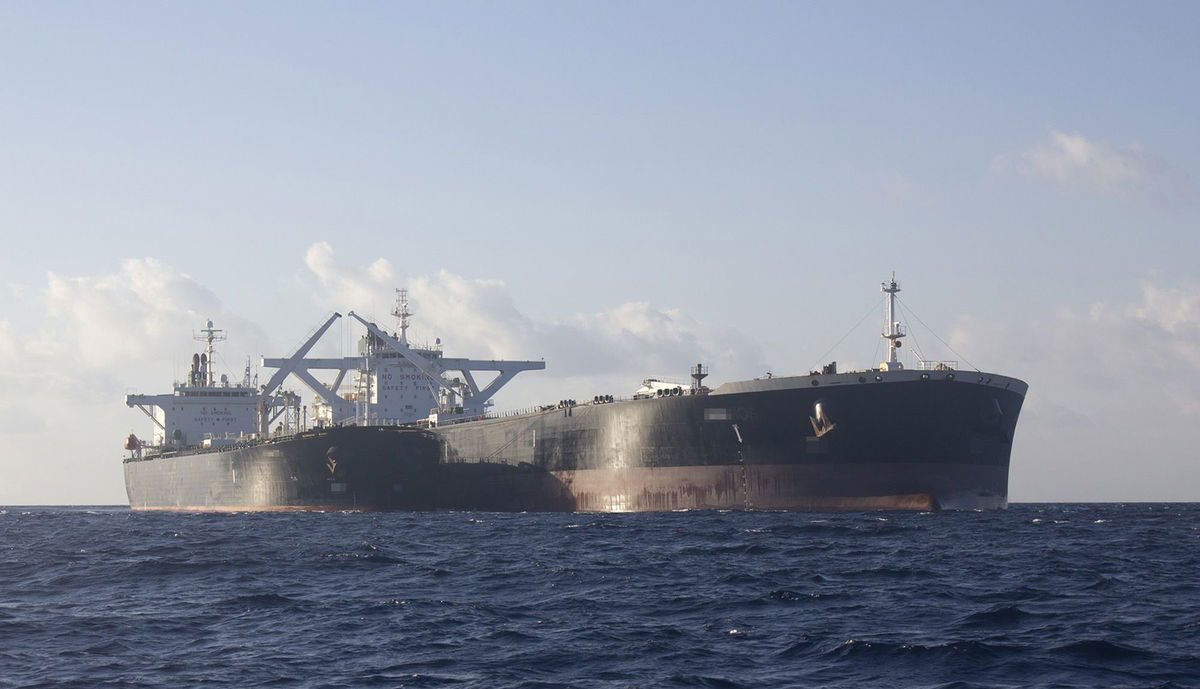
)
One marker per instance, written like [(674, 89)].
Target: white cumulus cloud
[(99, 333), (1073, 161), (1113, 402), (80, 343)]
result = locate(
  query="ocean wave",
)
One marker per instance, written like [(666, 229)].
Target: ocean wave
[(949, 600), (997, 616)]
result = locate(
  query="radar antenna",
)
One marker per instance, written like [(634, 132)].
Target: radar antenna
[(209, 336), (402, 313)]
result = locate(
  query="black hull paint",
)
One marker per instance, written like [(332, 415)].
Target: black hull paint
[(343, 468), (912, 443), (900, 442)]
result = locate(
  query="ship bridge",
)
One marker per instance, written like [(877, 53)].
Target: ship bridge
[(204, 408)]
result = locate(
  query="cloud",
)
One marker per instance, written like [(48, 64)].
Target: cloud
[(1175, 310), (347, 287), (112, 318), (1113, 402), (98, 334), (1074, 162), (77, 346), (14, 420), (661, 341), (1110, 353), (9, 347)]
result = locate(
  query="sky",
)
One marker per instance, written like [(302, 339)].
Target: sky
[(621, 188)]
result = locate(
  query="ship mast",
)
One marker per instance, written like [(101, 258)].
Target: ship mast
[(892, 331), (402, 313), (210, 336)]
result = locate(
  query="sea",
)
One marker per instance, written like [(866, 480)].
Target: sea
[(1039, 595)]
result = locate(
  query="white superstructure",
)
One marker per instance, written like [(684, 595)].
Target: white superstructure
[(391, 382), (204, 409)]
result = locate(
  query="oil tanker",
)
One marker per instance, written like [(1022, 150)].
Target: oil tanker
[(413, 429)]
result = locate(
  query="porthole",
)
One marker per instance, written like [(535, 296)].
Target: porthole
[(878, 378), (815, 382)]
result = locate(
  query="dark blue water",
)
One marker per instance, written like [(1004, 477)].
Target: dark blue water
[(1037, 596)]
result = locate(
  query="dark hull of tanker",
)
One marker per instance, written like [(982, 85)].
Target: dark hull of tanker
[(905, 441), (888, 444), (343, 468)]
